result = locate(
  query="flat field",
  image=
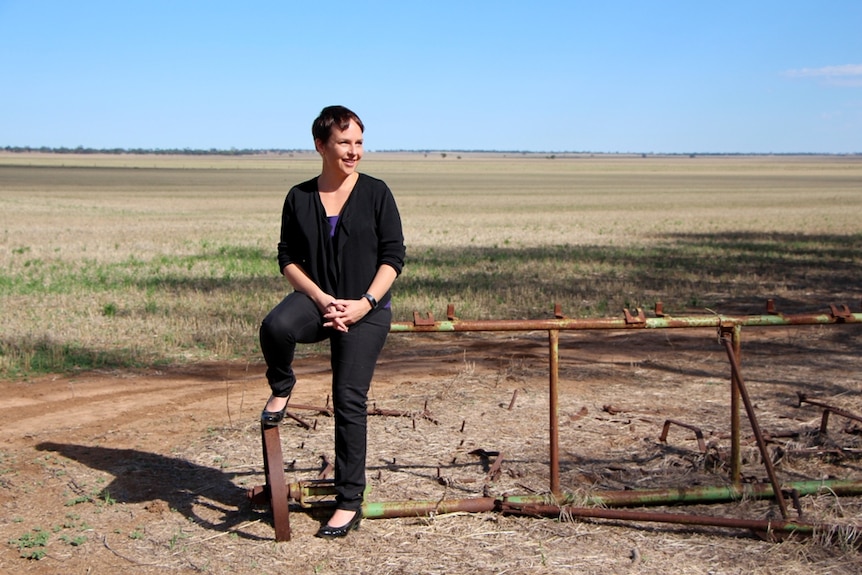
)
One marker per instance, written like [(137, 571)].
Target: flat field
[(139, 260), (131, 288)]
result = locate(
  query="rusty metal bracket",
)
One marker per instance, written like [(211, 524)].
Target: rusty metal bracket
[(827, 409), (701, 444), (419, 321), (639, 319), (843, 313)]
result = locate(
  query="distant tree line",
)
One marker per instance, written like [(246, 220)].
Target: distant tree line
[(156, 151), (443, 153)]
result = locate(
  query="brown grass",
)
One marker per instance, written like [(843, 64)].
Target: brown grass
[(99, 249), (146, 258)]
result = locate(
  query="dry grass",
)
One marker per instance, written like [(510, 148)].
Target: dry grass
[(176, 505), (112, 261), (97, 250)]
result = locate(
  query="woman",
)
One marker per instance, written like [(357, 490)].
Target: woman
[(341, 249)]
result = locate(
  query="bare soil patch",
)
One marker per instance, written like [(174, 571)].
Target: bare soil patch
[(147, 472)]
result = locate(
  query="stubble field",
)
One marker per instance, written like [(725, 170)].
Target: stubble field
[(132, 287)]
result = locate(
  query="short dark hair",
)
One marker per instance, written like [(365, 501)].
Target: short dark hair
[(331, 116)]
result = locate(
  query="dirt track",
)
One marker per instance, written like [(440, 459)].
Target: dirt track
[(147, 472)]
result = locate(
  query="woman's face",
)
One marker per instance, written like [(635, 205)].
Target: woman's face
[(342, 152)]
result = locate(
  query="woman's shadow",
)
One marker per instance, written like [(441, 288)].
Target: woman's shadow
[(146, 477)]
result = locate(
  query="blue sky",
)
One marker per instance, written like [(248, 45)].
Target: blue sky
[(678, 77)]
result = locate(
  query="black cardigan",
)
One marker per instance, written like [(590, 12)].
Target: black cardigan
[(368, 235)]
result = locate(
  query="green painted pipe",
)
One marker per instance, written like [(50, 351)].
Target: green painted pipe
[(628, 498)]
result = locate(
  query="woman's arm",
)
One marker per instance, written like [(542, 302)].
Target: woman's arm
[(346, 312), (304, 284)]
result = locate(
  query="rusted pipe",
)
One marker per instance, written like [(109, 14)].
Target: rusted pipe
[(752, 418), (698, 434), (554, 409), (310, 493), (735, 432), (663, 322), (764, 525), (827, 409), (275, 490)]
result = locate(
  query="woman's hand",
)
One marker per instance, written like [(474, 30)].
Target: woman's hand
[(342, 313)]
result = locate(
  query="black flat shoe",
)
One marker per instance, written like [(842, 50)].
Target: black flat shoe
[(329, 532), (272, 418)]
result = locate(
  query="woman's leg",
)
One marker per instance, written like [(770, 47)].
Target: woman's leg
[(354, 356), (295, 319)]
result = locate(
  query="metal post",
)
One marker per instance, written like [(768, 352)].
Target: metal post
[(758, 435), (273, 467), (735, 435), (554, 408)]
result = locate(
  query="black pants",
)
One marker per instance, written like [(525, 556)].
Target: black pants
[(353, 358)]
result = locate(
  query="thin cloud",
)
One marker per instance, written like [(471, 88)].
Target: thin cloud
[(846, 75)]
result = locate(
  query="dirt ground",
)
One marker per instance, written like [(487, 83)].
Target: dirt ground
[(148, 471)]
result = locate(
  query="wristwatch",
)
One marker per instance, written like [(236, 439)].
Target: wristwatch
[(371, 299)]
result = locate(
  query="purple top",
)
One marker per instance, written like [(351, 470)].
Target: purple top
[(333, 223)]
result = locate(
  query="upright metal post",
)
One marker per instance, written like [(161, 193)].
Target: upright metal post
[(554, 408), (276, 488), (735, 435)]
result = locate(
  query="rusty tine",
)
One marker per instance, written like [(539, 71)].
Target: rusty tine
[(327, 468), (827, 409), (582, 413), (496, 469), (427, 414), (304, 424), (514, 397), (797, 504), (701, 444)]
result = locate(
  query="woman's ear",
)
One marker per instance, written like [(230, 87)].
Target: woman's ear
[(318, 145)]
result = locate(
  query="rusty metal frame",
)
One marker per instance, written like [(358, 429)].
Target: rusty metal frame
[(729, 328)]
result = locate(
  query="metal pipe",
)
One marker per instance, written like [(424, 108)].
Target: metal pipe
[(765, 525), (827, 409), (275, 489), (277, 494), (554, 409), (539, 505), (752, 418), (664, 322), (308, 494), (735, 433)]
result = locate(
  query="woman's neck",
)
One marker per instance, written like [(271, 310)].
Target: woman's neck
[(328, 183)]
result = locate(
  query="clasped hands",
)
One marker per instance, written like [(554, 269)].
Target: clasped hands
[(339, 314)]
